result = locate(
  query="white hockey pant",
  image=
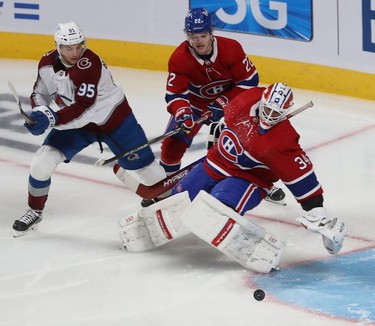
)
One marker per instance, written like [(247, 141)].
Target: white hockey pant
[(148, 175)]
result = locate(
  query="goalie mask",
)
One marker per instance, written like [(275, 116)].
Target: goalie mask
[(275, 104), (68, 34)]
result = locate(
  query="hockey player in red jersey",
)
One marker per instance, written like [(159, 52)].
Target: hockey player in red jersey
[(257, 146), (75, 95), (204, 73)]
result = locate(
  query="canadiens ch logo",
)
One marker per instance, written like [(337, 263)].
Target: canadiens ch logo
[(84, 63), (211, 90), (229, 146)]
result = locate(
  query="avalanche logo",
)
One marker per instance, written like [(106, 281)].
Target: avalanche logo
[(229, 146), (84, 63), (133, 157)]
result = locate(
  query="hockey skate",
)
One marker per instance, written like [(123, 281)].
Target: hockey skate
[(28, 222), (148, 202), (276, 196)]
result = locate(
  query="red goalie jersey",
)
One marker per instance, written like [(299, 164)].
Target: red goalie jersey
[(261, 158)]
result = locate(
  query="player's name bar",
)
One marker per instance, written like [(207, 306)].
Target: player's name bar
[(26, 6)]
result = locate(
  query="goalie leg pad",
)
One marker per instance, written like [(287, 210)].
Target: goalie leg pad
[(134, 233), (239, 239), (153, 226)]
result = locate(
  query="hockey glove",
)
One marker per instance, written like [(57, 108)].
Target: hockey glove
[(43, 117), (216, 107), (184, 119), (315, 219), (214, 133), (332, 230)]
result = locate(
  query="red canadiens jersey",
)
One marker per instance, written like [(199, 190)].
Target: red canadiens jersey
[(195, 82), (261, 158), (84, 96)]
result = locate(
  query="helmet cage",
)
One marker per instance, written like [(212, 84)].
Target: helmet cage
[(275, 104), (198, 20)]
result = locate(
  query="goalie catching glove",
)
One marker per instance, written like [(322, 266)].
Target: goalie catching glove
[(332, 230), (43, 117)]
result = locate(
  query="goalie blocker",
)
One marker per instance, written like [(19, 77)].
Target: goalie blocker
[(206, 217)]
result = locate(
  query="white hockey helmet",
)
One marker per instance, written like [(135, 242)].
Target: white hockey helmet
[(275, 104), (69, 34)]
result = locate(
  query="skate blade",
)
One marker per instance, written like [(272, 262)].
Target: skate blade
[(277, 202), (18, 234)]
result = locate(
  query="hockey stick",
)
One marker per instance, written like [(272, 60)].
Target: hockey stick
[(149, 192), (103, 161), (17, 98), (300, 109)]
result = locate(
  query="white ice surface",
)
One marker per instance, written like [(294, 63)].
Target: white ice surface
[(71, 271)]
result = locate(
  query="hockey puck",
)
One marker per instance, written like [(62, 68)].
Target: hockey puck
[(259, 295)]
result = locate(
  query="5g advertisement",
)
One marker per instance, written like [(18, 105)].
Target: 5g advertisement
[(289, 19)]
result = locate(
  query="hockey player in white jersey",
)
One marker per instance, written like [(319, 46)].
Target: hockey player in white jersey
[(75, 97)]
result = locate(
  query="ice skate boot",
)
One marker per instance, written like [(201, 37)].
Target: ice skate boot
[(28, 222), (148, 202), (276, 196)]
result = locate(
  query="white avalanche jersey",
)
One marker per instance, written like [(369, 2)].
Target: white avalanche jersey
[(85, 94)]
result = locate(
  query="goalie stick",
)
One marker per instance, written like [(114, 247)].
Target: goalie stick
[(17, 98), (150, 192), (103, 161), (300, 109)]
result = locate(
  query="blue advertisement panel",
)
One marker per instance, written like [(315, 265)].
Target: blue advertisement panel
[(290, 19), (368, 25), (21, 10)]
